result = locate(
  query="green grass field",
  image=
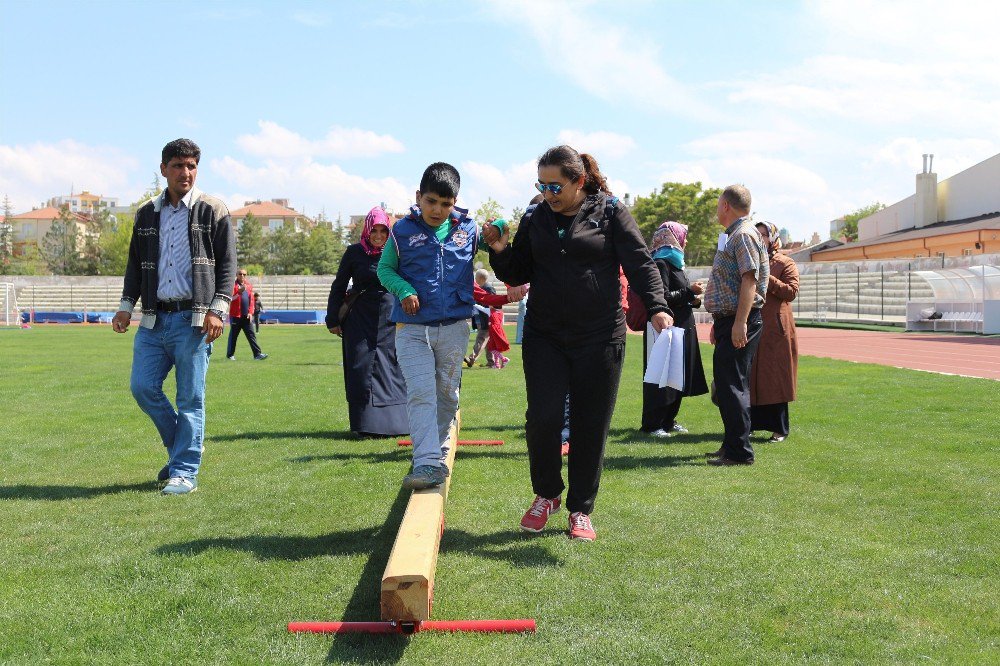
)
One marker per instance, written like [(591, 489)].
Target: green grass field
[(870, 536)]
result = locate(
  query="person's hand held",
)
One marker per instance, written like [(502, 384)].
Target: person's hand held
[(212, 328), (490, 233), (740, 335), (711, 334), (121, 321), (501, 244), (660, 321), (411, 304), (698, 287), (335, 330)]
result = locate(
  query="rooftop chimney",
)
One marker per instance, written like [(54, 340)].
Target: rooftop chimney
[(925, 204)]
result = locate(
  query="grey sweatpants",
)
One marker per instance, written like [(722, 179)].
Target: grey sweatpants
[(430, 358)]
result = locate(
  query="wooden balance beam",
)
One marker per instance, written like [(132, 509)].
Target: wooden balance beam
[(408, 581)]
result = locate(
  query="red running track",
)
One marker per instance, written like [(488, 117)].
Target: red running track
[(966, 355)]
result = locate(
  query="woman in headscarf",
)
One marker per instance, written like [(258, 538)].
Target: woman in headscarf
[(661, 405), (376, 393), (775, 366)]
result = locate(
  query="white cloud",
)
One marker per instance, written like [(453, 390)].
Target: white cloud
[(310, 186), (623, 68), (276, 142), (601, 144), (31, 174), (512, 186)]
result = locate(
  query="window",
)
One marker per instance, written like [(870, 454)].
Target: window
[(967, 252), (275, 223), (27, 232)]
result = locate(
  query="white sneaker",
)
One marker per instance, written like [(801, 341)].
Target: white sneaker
[(231, 358), (660, 432), (679, 428), (179, 485)]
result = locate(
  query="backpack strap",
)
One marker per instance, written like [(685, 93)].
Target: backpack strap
[(610, 205)]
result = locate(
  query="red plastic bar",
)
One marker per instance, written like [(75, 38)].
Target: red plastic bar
[(479, 626), (462, 442)]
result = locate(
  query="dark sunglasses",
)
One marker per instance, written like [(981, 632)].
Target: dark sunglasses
[(554, 189)]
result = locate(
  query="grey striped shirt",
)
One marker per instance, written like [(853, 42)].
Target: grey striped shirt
[(175, 251)]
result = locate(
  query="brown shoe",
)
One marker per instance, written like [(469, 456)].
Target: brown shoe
[(723, 461), (716, 454)]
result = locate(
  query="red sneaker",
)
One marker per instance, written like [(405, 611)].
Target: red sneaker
[(580, 527), (565, 448), (538, 514)]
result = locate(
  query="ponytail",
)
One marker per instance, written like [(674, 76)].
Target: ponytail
[(596, 182), (573, 165)]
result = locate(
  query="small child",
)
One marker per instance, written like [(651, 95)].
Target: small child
[(427, 265), (481, 321), (498, 340)]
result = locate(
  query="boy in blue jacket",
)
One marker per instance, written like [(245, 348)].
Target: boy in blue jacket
[(427, 265)]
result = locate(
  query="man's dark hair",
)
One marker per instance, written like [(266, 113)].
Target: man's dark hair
[(441, 179), (180, 148)]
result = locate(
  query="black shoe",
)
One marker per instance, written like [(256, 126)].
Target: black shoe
[(723, 461), (716, 454), (163, 474)]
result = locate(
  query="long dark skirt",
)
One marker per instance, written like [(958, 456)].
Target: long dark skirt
[(770, 417), (661, 405), (376, 392)]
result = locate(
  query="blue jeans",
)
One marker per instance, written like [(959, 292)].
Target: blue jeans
[(173, 342), (430, 358)]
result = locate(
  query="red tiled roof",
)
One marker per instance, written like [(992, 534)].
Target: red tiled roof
[(265, 209), (47, 213)]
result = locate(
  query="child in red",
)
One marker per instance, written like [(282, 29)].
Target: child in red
[(498, 340)]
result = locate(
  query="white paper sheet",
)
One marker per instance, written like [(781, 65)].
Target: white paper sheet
[(657, 357), (723, 239), (675, 369), (665, 366)]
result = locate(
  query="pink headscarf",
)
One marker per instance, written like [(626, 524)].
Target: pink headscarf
[(375, 216), (670, 234)]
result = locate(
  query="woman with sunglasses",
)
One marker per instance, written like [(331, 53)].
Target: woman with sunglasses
[(569, 248), (376, 394)]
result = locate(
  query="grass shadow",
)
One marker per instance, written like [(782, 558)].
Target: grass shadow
[(652, 462), (256, 436), (364, 602), (515, 547), (56, 493)]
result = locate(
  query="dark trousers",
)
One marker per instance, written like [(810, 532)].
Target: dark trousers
[(770, 417), (656, 411), (731, 371), (244, 324), (590, 376)]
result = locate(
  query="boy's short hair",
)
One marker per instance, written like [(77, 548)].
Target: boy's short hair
[(441, 179), (482, 274), (180, 148)]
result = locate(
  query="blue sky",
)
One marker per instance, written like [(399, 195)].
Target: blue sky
[(818, 107)]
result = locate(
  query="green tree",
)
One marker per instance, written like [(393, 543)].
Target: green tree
[(6, 237), (116, 236), (61, 244), (687, 203), (489, 210), (286, 252), (850, 228), (251, 246), (323, 250)]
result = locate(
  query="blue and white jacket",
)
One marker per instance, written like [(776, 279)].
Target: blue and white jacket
[(440, 272)]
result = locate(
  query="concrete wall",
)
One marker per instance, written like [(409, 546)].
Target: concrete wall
[(972, 192)]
